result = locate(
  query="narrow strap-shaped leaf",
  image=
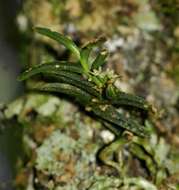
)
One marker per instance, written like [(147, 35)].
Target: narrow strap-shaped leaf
[(81, 96), (84, 58), (110, 114), (105, 112), (75, 80), (68, 43), (53, 67), (86, 50), (119, 98), (100, 60)]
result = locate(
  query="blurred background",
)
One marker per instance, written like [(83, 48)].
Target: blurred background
[(143, 41), (9, 87), (9, 44)]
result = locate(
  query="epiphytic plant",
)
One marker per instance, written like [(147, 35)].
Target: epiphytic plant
[(90, 86)]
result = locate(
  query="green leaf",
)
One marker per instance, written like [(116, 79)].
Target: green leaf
[(86, 50), (81, 96), (111, 115), (68, 43), (119, 98), (52, 67), (106, 112), (100, 60), (84, 59), (75, 80)]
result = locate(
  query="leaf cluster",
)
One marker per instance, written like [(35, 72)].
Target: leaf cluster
[(91, 87)]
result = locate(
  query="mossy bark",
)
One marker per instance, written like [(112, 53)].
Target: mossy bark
[(60, 141)]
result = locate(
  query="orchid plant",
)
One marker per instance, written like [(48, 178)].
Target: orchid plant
[(91, 87)]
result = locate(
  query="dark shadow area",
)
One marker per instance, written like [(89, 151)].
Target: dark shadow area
[(9, 88), (9, 45)]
